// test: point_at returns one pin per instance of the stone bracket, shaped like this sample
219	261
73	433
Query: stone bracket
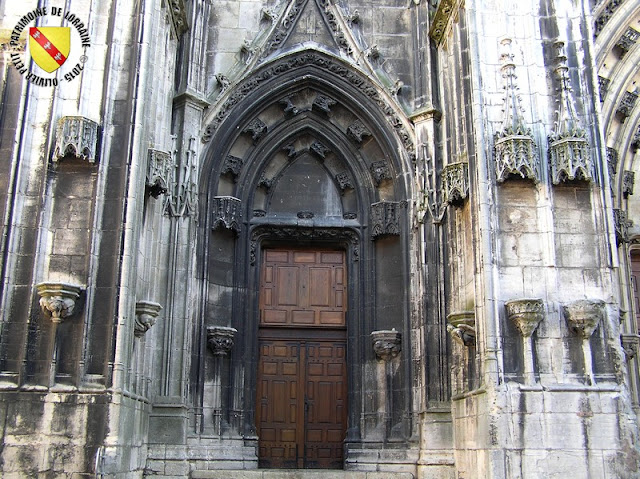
78	137
385	219
387	344
570	159
159	172
227	212
146	315
58	299
455	183
584	315
220	339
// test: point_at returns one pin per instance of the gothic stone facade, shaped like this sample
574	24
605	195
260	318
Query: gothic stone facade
428	205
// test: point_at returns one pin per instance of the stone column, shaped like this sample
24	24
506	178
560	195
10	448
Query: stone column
583	317
526	314
220	341
387	345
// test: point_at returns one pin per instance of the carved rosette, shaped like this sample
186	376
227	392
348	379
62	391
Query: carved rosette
584	316
630	344
76	136
159	169
462	327
227	212
58	300
146	315
526	314
455	183
220	339
387	344
384	219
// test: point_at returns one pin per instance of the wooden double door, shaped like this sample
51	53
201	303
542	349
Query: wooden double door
302	389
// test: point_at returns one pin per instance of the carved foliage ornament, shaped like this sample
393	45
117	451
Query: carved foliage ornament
526	314
385	219
227	213
256	128
316	59
76	136
584	316
605	15
455	183
387	344
58	300
160	166
146	315
220	339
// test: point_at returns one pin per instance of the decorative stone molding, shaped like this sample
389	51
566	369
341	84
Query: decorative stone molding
178	16
584	316
455	183
621	225
626	105
630	344
385	219
232	166
357	132
76	136
515	151
526	314
628	182
387	344
58	299
323	103
227	212
462	327
220	339
605	15
257	129
380	171
569	150
603	84
627	40
319	150
146	316
159	172
344	181
446	14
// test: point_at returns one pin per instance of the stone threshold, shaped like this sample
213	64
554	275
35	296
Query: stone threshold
297	474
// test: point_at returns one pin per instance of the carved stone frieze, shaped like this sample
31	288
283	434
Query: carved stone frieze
387	344
220	339
328	65
628	182
626	105
323	103
526	314
256	128
385	219
605	15
443	19
146	316
603	84
455	183
515	151
344	181
319	150
232	166
159	172
58	299
569	149
621	224
462	327
584	315
357	131
76	136
380	171
630	344
227	213
627	40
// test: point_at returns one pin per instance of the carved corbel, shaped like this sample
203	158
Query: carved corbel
58	300
526	314
387	344
584	316
455	183
319	150
220	339
76	136
146	315
257	129
323	103
384	219
227	212
380	171
462	327
621	224
630	344
159	169
232	166
628	182
358	132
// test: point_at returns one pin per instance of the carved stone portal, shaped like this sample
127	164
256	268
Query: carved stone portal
462	327
146	315
58	300
584	316
220	339
76	136
387	344
227	212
